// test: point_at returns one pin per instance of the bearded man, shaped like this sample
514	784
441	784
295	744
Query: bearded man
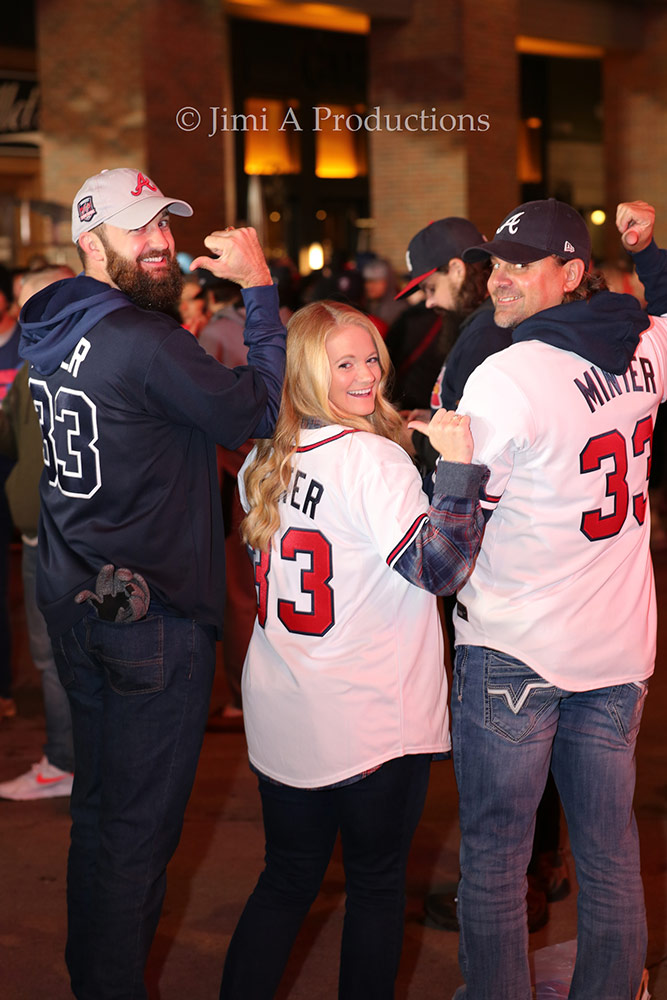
131	542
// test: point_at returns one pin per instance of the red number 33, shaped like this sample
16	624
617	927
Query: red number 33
314	583
594	524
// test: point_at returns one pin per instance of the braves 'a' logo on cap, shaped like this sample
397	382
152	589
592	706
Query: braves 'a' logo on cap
512	224
86	209
143	182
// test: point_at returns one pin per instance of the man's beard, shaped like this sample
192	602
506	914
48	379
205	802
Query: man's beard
161	293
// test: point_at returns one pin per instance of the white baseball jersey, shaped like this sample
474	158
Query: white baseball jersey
345	665
564	580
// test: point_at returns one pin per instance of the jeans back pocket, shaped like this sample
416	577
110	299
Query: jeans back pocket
131	653
516	698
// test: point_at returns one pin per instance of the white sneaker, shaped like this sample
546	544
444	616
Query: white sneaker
42	781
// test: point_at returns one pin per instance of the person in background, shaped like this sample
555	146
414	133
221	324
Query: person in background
21	440
380	290
9	365
192	306
222	337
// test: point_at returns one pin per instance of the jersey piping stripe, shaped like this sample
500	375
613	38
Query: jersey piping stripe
318	444
407	539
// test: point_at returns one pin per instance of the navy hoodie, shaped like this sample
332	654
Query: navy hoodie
604	329
130	407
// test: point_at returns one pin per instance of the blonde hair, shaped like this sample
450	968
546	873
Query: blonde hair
305	397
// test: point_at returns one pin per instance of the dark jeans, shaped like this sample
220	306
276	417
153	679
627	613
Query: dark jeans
377	818
139	694
58	749
509	726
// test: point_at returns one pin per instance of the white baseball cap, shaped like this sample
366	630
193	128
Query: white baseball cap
124	197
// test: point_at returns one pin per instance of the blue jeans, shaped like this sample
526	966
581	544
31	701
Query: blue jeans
139	694
377	818
508	726
58	749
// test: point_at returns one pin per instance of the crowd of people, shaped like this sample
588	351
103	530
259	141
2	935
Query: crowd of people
504	469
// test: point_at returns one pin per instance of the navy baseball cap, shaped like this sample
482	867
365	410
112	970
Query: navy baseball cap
535	230
434	246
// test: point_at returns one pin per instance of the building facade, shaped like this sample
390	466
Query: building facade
352	124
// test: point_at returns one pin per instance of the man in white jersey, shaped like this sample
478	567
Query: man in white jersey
556	626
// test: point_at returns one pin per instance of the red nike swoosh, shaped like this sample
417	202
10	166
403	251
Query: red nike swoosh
41	780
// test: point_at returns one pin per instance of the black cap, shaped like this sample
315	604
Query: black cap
535	230
434	246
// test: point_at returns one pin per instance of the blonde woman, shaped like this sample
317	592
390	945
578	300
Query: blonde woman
344	690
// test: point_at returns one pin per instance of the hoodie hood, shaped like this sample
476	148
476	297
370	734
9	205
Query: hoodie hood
54	320
604	329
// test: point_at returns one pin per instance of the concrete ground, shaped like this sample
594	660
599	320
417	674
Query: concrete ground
220	855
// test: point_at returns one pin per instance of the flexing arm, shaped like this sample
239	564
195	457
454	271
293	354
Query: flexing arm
239	258
635	221
443	552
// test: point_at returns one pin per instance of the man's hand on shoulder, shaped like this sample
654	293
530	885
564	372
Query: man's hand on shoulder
239	257
635	221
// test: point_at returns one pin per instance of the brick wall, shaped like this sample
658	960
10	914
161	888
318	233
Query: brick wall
635	102
584	22
186	61
419	176
445	57
113	77
492	87
462	58
93	112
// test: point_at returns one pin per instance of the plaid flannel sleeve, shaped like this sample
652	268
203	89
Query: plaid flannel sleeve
439	551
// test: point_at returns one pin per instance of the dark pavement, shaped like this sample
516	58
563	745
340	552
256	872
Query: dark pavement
220	855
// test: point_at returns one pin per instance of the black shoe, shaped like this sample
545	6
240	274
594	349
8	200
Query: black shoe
440	911
553	875
536	905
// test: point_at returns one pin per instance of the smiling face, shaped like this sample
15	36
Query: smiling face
521	290
355	371
142	263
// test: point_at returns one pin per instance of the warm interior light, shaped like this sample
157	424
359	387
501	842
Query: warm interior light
598	217
330	17
315	256
550	47
268	150
529	159
339	149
